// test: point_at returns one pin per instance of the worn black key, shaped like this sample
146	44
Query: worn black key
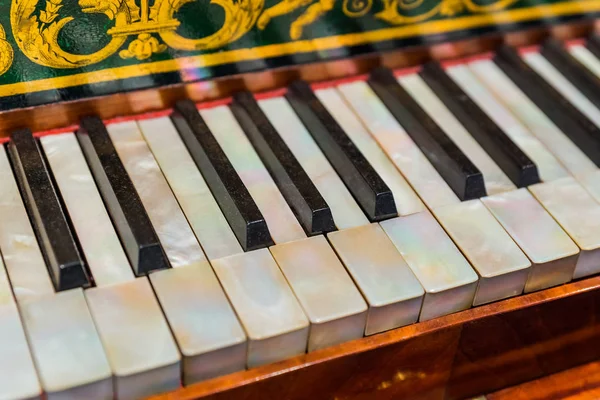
48	217
367	187
582	78
583	132
515	164
233	197
593	45
299	191
450	162
122	200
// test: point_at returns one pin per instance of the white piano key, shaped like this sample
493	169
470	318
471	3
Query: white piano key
495	180
545	69
393	293
407	202
574	160
136	338
282	223
449	281
176	237
208	333
552	252
398	146
188	185
24	261
502	267
548	166
346	213
585	57
591	183
94	229
18	377
270	313
578	214
333	305
66	348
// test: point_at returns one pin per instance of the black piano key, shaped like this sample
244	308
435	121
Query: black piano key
593	45
49	219
581	77
293	182
367	187
233	197
509	157
122	200
583	132
450	162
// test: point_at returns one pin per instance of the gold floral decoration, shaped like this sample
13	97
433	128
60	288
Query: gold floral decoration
143	47
450	8
6	52
51	12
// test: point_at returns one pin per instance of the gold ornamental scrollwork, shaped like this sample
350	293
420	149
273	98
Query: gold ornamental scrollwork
154	26
6	52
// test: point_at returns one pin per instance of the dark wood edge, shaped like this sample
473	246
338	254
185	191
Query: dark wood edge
504	322
59	115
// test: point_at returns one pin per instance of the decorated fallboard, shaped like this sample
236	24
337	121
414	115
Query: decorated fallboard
58	50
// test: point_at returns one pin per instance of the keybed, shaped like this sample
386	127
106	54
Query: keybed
141	254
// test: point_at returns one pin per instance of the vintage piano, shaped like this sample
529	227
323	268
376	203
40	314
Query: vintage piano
297	199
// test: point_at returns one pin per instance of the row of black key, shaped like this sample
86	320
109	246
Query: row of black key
135	230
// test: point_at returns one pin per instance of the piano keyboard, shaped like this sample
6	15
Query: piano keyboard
143	254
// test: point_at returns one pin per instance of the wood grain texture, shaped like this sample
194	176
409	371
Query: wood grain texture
581	383
457	356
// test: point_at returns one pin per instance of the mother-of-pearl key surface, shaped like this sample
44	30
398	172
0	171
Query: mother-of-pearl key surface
332	303
578	214
392	292
64	343
270	313
507	258
207	331
18	377
585	57
108	261
549	168
552	253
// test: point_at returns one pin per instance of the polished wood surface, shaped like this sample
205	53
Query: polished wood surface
579	383
457	356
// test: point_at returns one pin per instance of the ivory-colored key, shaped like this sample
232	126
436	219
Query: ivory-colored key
309	265
495	180
205	327
68	354
346	213
93	226
393	293
270	313
253	174
190	189
175	235
18	377
552	253
448	279
137	340
571	156
208	333
502	266
407	202
578	214
586	57
333	305
398	146
22	256
548	166
544	68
